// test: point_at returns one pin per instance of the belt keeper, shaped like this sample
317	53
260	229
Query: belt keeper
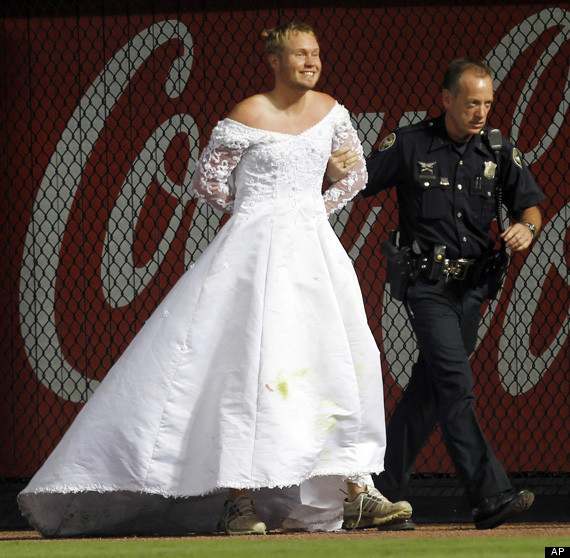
437	267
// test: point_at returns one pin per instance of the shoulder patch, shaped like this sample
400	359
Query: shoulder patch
517	157
387	142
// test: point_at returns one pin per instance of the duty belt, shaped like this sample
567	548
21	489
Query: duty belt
452	269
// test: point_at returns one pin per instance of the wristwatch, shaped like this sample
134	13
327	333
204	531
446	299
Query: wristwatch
530	226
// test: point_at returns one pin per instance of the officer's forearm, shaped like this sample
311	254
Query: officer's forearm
533	215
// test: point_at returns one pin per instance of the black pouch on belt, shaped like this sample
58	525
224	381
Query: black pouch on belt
436	266
497	265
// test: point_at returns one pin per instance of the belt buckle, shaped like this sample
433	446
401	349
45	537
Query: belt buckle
458	269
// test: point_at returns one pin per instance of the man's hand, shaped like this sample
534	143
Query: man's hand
340	163
517	237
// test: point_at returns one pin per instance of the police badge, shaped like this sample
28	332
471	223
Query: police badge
489	169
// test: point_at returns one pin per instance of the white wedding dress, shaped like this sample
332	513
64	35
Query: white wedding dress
258	369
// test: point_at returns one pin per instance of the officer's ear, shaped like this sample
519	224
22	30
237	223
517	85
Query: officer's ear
446	98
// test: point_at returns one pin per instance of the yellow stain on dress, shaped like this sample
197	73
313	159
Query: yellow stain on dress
282	383
283	388
325	456
327	421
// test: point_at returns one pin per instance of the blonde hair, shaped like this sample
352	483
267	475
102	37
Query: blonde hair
276	37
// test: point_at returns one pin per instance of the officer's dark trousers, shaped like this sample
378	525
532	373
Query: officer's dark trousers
445	319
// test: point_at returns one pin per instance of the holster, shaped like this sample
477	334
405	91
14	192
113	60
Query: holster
497	265
398	269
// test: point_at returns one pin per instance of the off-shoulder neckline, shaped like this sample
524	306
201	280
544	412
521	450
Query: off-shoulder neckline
325	117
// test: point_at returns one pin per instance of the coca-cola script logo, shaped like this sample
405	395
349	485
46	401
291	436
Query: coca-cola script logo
48	223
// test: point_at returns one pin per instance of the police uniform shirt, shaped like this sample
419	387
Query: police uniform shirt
446	191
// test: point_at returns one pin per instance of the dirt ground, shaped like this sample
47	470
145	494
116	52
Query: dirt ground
443	531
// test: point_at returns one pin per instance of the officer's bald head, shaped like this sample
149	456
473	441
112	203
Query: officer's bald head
456	69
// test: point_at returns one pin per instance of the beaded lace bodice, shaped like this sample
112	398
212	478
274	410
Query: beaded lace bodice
275	167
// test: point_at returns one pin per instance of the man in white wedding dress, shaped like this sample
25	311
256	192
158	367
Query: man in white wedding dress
292	107
257	379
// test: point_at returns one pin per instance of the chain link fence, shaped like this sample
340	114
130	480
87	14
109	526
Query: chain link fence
106	107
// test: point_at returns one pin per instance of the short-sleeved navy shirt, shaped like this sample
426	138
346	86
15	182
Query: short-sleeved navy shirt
446	191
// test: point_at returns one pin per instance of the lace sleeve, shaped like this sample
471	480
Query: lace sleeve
212	180
341	192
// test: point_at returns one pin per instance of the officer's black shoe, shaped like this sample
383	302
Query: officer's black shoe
495	510
398	525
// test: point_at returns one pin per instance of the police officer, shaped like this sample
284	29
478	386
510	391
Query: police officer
448	173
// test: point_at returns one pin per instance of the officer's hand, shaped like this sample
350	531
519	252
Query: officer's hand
517	237
340	163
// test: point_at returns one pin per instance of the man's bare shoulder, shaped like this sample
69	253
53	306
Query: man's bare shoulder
323	101
251	110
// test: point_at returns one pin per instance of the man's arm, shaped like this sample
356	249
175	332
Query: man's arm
340	162
342	190
518	236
